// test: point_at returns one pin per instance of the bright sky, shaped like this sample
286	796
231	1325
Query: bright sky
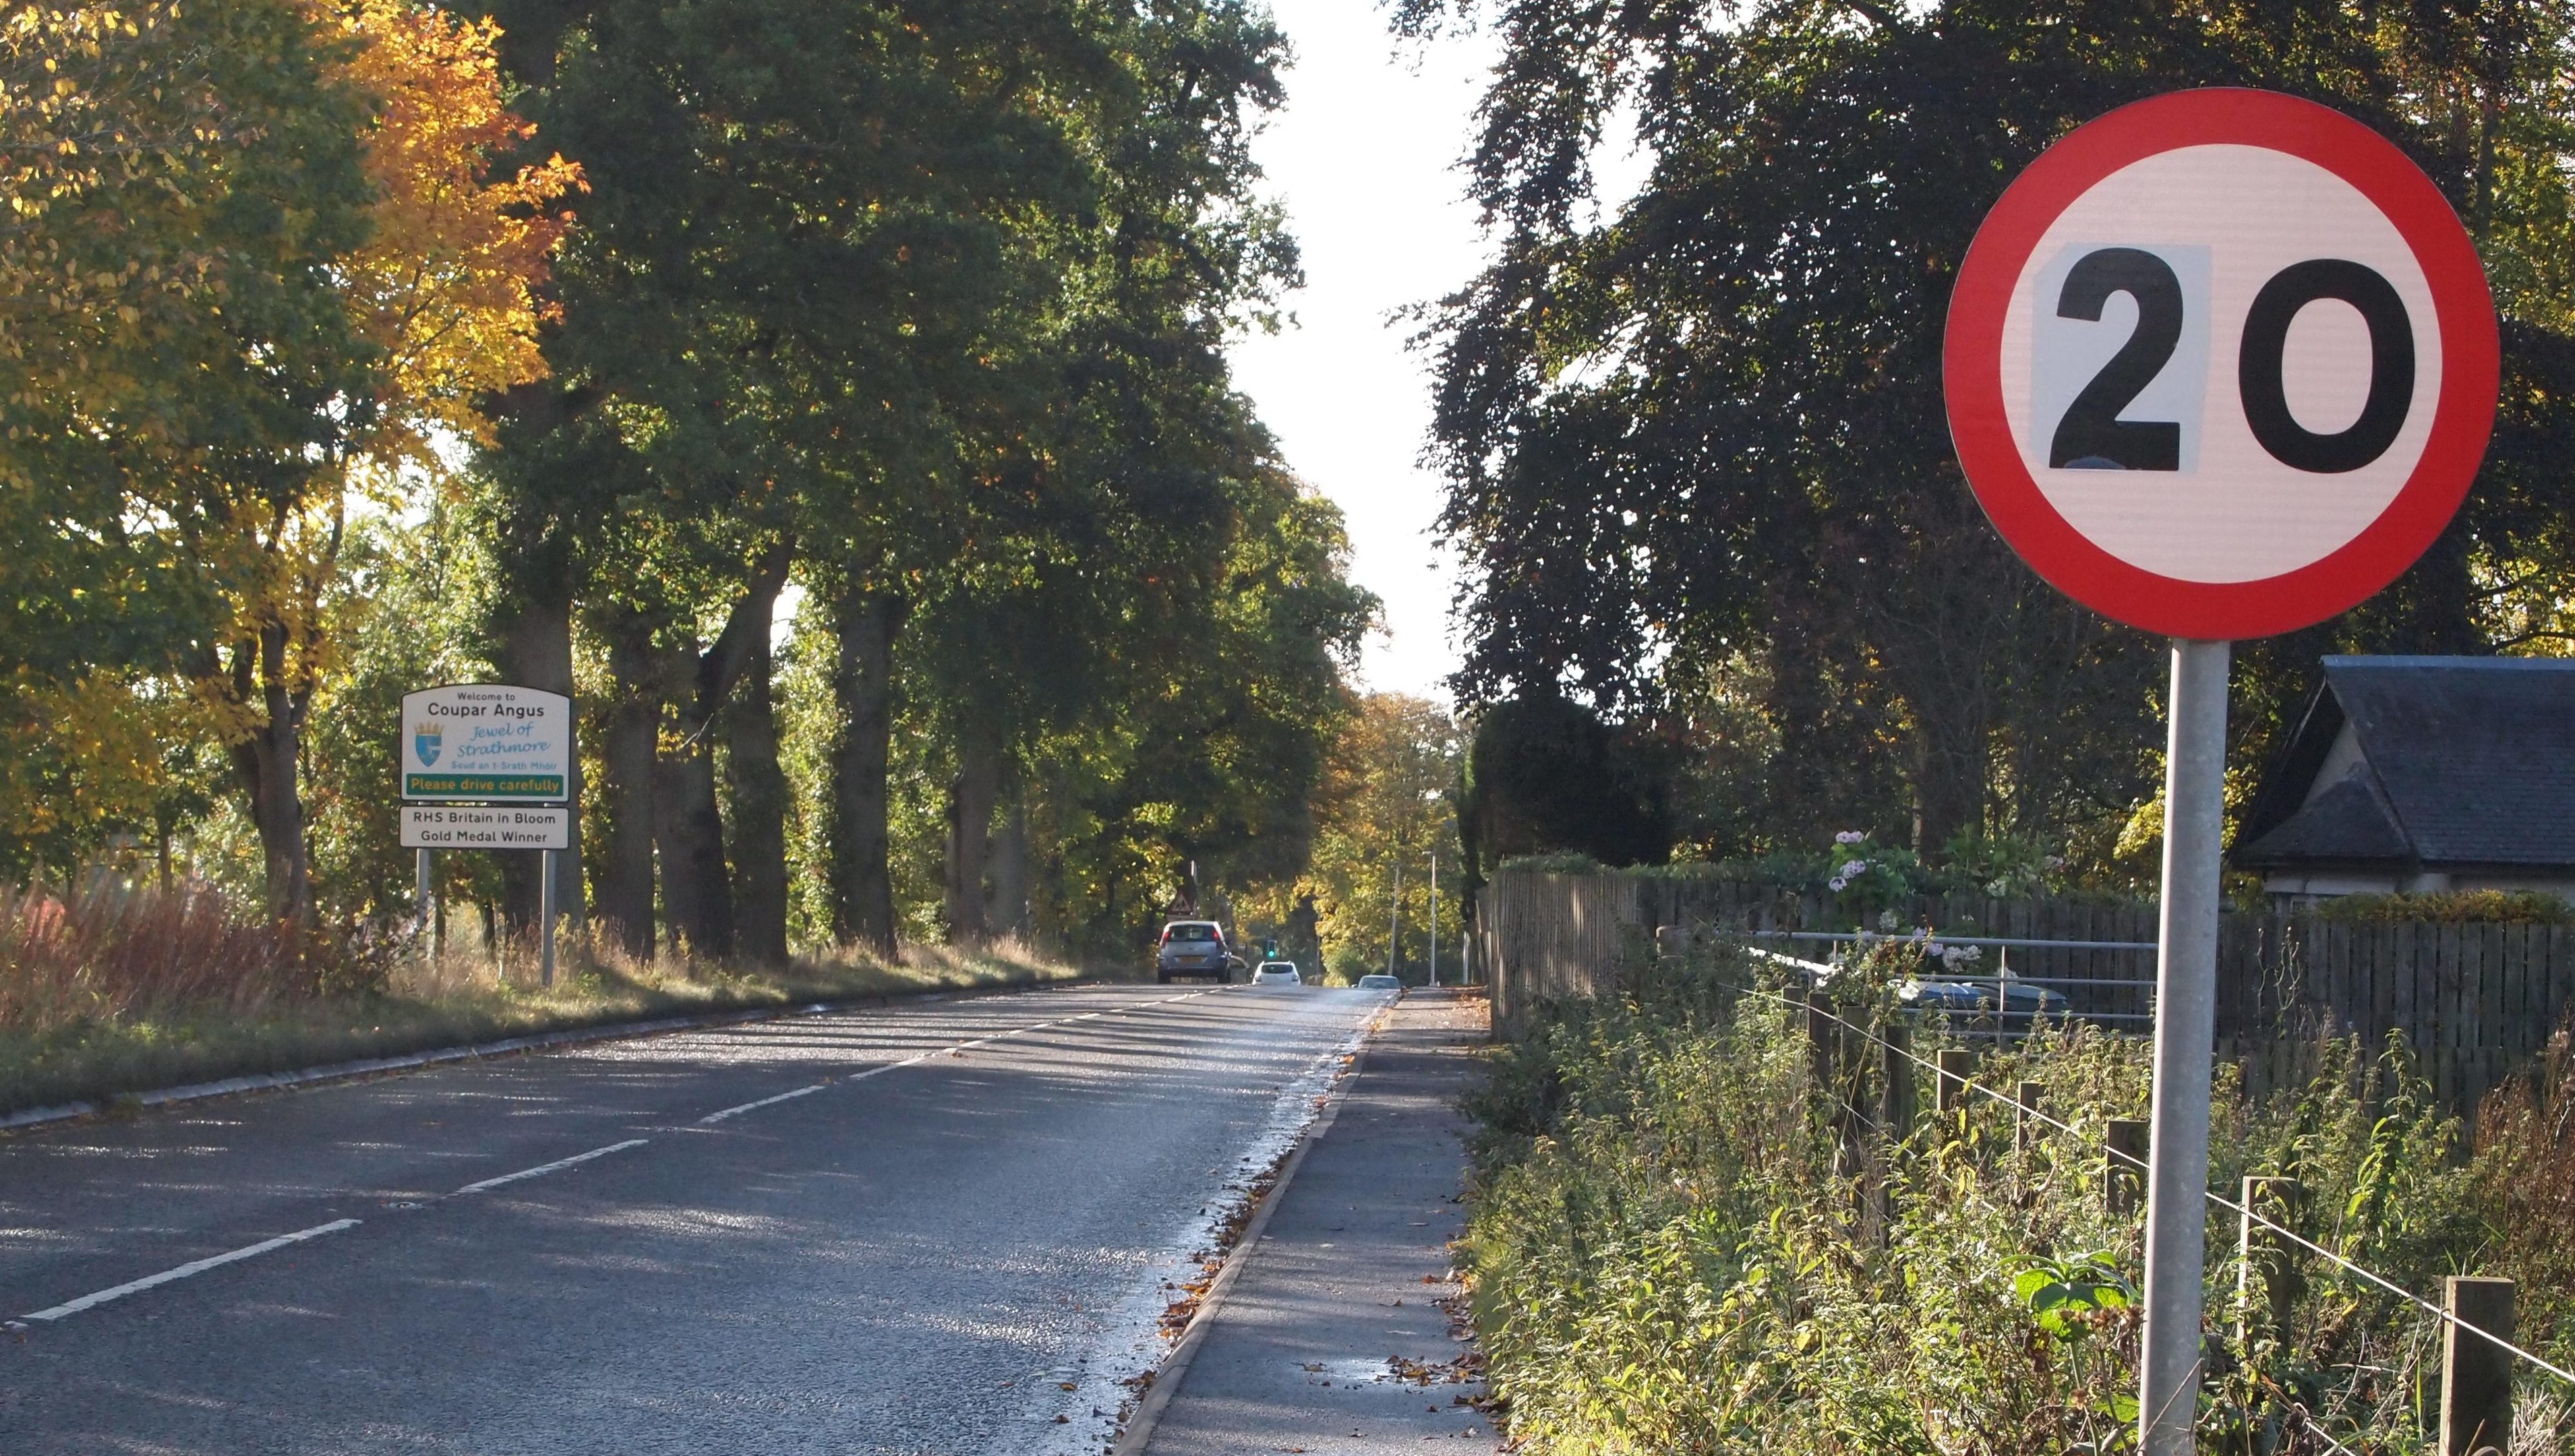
1364	160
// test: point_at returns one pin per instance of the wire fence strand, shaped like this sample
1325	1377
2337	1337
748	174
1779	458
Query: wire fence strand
2221	1200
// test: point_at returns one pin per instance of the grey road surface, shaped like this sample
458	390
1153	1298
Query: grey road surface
935	1228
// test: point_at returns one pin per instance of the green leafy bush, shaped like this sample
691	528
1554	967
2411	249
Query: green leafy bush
2488	906
1681	1242
1555	861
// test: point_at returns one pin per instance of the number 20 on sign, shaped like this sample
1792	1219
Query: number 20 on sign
2221	364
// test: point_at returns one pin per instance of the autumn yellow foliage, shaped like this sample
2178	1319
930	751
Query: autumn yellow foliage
449	286
185	405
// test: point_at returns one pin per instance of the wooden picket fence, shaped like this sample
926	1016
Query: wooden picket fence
2473	1000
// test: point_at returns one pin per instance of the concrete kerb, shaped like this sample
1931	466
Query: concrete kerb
509	1046
1175	1366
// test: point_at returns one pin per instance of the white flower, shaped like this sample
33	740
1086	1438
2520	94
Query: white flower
1837	885
1854	868
1850	836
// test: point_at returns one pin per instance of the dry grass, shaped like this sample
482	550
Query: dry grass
116	951
124	991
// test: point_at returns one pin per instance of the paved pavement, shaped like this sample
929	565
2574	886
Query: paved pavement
927	1228
1333	1338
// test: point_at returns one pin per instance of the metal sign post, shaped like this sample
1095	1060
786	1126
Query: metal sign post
2185	1032
420	897
546	918
2129	407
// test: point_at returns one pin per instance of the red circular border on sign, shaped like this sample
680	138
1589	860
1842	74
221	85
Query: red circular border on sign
2463	415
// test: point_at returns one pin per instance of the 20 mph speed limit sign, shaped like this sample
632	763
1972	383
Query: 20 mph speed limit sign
2221	364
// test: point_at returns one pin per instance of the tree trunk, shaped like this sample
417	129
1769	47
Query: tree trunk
267	762
696	889
867	624
1305	934
758	829
688	827
970	833
1008	909
1953	768
634	724
536	651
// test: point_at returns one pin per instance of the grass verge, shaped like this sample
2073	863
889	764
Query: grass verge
455	1003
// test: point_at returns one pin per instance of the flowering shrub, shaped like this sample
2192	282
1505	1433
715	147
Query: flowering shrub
1869	879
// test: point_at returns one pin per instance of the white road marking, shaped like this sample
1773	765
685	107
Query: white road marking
92	1302
556	1165
878	1071
918	1058
715	1118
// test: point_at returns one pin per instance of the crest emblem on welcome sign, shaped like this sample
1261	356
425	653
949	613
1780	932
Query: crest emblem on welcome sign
426	739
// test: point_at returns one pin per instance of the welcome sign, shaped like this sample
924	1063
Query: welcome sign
487	741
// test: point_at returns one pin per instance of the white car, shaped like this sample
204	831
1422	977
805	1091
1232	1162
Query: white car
1380	981
1277	973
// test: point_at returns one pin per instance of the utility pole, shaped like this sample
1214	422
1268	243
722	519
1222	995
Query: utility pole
1394	923
1434	917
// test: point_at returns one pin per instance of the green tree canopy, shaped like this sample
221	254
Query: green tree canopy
1697	449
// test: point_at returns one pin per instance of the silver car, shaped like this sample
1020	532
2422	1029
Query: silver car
1193	947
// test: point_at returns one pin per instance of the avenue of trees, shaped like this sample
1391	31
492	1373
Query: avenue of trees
1385	820
830	398
1696	440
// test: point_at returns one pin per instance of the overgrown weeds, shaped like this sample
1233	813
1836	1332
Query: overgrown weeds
114	950
1684	1241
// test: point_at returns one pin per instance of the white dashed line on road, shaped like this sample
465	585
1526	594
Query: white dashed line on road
558	1165
920	1057
252	1251
92	1302
713	1119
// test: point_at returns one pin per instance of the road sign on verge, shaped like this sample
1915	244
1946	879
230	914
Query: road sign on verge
487	827
2221	364
487	741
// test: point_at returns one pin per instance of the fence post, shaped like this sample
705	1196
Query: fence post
2267	1283
2028	1098
2476	1373
1898	1114
1819	1039
1957	1068
2124	1174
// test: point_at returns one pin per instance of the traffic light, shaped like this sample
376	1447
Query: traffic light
1269	949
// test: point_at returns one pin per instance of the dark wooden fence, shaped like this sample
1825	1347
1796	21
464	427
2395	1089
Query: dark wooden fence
2472	1000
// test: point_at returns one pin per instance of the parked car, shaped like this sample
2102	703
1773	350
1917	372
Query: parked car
1277	973
1194	948
1378	980
1981	997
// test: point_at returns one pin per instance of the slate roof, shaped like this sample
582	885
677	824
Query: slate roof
2470	761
